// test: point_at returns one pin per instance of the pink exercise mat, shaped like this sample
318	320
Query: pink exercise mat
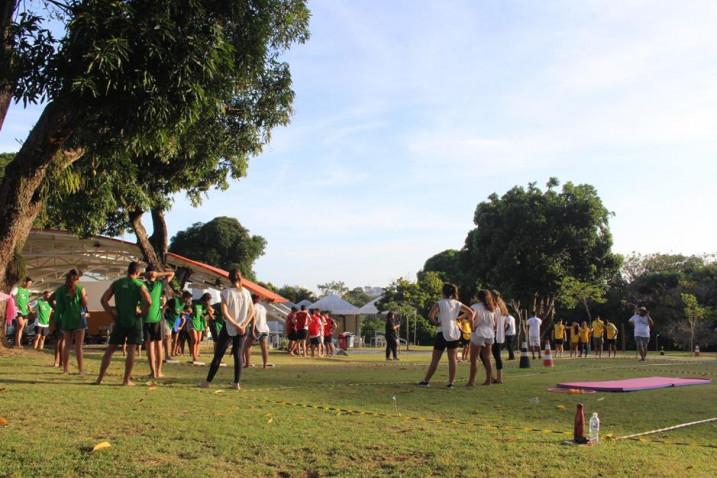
635	384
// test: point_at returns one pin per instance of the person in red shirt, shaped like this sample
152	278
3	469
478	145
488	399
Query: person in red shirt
315	333
302	330
290	331
329	326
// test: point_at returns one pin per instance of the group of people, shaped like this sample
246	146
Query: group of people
310	332
579	337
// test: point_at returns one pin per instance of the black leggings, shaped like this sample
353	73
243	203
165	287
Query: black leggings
222	343
496	355
391	347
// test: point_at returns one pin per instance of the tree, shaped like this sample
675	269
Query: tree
296	294
222	242
356	296
694	313
334	287
574	292
447	264
131	79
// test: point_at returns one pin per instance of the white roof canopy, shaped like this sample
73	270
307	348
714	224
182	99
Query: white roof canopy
336	305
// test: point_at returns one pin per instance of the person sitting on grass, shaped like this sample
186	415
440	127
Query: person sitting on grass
584	339
559	337
130	293
574	339
611	333
44	310
483	336
444	314
237	311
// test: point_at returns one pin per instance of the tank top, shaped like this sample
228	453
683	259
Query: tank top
448	312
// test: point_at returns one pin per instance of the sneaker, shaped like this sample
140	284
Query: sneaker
423	384
450	385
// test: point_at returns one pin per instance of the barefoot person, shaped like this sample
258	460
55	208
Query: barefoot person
261	330
501	325
483	336
43	310
129	292
611	334
69	300
559	337
22	303
198	324
642	322
237	311
445	314
534	324
152	320
598	330
329	326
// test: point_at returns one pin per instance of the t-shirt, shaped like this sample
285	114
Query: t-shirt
534	326
611	331
559	331
584	334
574	335
448	312
315	326
154	314
199	310
642	325
390	328
598	327
127	299
328	326
44	309
500	320
238	303
69	306
22	299
175	307
260	323
511	325
484	322
466	329
289	323
302	320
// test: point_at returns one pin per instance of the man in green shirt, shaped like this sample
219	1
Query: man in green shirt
22	301
129	292
43	310
153	321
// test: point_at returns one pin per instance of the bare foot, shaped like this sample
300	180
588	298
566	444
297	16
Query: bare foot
128	383
161	375
470	384
236	386
97	382
204	384
487	382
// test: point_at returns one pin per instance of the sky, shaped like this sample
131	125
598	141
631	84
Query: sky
409	113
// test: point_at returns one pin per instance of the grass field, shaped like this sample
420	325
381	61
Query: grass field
338	417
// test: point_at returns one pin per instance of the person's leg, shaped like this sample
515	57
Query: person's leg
452	365
79	336
246	350
485	352
106	359
36	340
396	347
59	349
434	365
222	344
66	351
237	345
158	359
129	365
264	344
474	352
193	342
511	347
498	363
150	351
18	333
388	349
167	341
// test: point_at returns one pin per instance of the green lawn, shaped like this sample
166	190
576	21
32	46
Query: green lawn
338	417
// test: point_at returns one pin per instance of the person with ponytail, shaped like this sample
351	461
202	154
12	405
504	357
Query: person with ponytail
501	324
69	299
483	336
445	315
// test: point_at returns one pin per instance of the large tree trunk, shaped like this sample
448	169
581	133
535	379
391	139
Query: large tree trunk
159	238
7	83
150	255
20	190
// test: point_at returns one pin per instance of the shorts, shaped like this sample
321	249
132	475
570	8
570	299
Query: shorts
328	339
464	342
533	341
610	342
166	330
42	331
481	341
559	341
83	322
598	340
132	333
22	316
293	336
642	340
213	329
442	344
262	336
302	334
315	341
152	331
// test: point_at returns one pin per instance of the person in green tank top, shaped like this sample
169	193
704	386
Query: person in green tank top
153	321
22	301
198	324
129	293
216	324
69	299
173	310
43	312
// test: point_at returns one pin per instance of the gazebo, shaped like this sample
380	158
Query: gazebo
345	313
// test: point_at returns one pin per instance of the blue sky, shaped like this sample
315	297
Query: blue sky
409	113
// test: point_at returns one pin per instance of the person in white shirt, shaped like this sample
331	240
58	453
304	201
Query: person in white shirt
510	331
259	333
483	336
501	326
237	311
534	324
448	311
642	323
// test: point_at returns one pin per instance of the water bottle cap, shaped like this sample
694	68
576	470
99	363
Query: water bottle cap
594	414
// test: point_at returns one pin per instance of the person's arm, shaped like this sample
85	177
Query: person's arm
51	300
227	316
105	301
83	298
652	322
249	317
432	314
147	300
467	313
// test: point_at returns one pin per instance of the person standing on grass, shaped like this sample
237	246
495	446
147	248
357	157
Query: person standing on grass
598	328
584	339
642	322
510	331
465	344
173	309
444	314
559	337
237	312
483	336
152	320
574	339
501	317
22	306
198	324
129	293
69	299
302	330
611	334
534	324
183	329
329	326
290	331
44	310
261	330
391	334
314	332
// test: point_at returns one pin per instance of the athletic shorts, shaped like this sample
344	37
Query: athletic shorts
441	344
152	331
610	341
533	341
328	339
42	331
166	329
642	340
302	334
464	342
315	341
133	334
293	336
598	340
213	329
262	336
559	342
481	341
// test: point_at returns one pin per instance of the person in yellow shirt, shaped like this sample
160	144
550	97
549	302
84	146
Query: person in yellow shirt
611	333
559	337
584	339
465	340
598	327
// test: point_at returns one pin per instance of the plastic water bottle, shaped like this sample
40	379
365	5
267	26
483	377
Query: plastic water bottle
595	428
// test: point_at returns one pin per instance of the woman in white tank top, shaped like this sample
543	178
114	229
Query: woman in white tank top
483	336
445	315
